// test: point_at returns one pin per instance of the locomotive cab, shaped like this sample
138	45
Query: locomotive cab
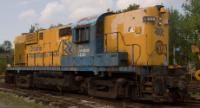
88	46
142	33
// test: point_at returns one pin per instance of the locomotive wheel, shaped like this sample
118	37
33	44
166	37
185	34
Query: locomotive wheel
178	95
107	88
10	78
24	81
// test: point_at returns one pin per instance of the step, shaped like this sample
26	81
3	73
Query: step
148	84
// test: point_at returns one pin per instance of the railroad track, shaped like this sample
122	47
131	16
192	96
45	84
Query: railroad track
54	99
70	100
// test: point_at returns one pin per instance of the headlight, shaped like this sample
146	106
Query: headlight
159	46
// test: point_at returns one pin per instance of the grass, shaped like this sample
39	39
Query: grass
18	102
196	96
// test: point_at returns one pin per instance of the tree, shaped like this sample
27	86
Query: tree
52	26
192	25
1	49
6	54
7	46
192	11
32	29
185	31
132	7
177	38
59	25
129	8
108	10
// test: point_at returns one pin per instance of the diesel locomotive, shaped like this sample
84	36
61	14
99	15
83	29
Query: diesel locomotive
112	55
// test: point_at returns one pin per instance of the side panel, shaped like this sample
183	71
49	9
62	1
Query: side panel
85	48
125	33
19	52
99	60
20	57
49	49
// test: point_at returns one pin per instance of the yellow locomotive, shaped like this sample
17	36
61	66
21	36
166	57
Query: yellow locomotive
142	33
112	55
41	48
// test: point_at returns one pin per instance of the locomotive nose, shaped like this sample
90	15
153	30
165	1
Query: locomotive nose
160	47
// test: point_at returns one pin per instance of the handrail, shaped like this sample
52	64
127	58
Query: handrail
125	44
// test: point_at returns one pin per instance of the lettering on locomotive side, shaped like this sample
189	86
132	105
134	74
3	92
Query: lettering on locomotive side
83	52
35	48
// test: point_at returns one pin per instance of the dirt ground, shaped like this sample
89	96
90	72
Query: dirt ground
12	101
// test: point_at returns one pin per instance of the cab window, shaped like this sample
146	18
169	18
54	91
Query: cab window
64	32
81	34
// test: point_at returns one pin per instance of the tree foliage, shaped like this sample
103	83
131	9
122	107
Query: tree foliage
32	29
129	8
6	54
6	47
192	11
185	31
132	7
